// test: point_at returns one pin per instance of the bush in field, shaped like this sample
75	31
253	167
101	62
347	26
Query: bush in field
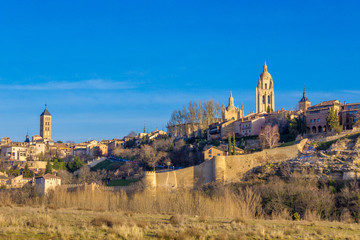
177	220
296	217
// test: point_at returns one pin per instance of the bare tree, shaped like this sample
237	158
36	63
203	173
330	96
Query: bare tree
132	134
199	113
192	115
150	156
269	136
210	113
126	153
217	111
87	176
66	177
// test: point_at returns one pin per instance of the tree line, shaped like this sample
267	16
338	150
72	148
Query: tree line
196	115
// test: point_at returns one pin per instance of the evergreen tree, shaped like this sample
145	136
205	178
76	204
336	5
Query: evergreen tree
332	119
75	165
48	168
40	173
229	145
268	110
234	145
27	173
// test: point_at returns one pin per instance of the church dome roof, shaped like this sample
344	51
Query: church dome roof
265	74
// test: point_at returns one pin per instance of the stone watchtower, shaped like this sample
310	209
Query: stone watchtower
45	124
265	96
304	103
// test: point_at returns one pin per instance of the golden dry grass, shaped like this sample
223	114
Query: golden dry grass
161	215
246	204
42	223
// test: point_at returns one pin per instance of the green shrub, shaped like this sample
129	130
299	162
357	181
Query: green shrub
296	217
338	129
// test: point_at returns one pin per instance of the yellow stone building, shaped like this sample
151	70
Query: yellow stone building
231	112
45	124
265	96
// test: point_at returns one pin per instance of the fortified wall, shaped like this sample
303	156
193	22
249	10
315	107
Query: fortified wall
223	169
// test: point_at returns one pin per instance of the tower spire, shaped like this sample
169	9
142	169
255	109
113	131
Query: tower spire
265	67
231	99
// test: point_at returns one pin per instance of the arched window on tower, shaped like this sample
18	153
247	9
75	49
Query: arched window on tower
265	85
263	100
268	99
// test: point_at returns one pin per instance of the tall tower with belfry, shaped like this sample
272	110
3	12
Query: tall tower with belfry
265	96
45	124
304	102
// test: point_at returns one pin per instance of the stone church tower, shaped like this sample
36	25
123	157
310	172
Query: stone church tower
265	96
231	112
304	103
45	124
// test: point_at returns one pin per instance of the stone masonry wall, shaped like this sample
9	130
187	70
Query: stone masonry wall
224	169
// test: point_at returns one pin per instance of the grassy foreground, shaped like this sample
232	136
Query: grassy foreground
44	223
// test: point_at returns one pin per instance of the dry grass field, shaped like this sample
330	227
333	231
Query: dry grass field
45	223
225	214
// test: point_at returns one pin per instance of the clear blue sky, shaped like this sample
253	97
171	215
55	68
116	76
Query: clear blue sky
105	67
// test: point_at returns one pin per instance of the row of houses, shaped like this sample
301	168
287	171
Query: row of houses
37	149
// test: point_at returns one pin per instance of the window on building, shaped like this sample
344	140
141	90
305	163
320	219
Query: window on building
218	154
209	151
263	100
318	119
209	156
268	99
265	86
311	120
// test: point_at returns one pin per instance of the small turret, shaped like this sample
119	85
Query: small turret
304	102
27	139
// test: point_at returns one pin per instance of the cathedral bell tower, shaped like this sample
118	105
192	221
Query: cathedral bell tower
265	96
45	124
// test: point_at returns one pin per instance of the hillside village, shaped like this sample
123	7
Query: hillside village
198	133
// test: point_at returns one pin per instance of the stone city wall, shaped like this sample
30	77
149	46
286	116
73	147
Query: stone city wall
224	169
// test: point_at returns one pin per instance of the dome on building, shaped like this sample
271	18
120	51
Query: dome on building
231	102
265	74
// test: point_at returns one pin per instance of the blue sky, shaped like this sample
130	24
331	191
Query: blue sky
106	67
